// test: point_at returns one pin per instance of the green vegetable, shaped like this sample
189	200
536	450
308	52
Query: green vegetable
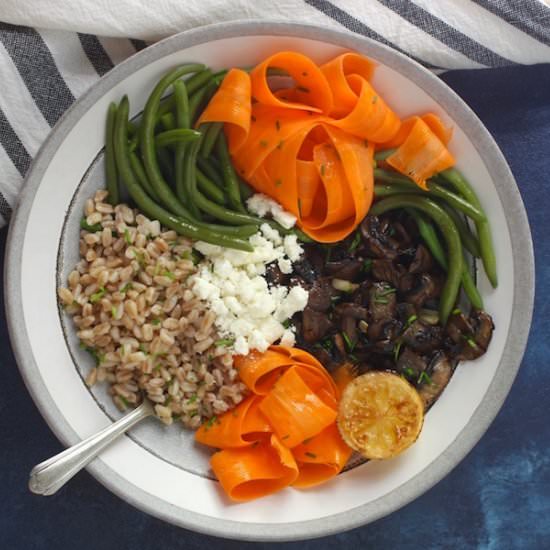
434	189
176	136
94	298
140	174
224	342
91	228
449	232
424	377
111	175
212	132
469	240
350	345
152	209
488	258
384	154
209	188
231	183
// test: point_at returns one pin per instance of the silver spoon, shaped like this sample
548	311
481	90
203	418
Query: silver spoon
49	476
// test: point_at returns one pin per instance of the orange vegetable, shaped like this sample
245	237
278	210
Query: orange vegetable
421	155
293	405
294	411
444	133
244	426
320	458
231	104
255	471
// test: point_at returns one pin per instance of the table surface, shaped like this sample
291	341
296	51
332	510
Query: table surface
498	497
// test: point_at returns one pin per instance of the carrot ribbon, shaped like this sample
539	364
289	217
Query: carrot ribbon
284	433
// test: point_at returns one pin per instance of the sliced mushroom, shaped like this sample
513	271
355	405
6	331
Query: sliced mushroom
439	373
320	295
425	290
411	364
422	337
422	261
348	269
315	325
376	242
458	327
388	271
475	344
304	269
382	302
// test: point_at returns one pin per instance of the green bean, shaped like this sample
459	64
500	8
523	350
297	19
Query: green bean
133	128
212	133
199	99
168	121
141	176
224	214
111	175
178	135
434	189
190	178
198	80
468	239
462	186
384	154
449	232
210	168
209	188
388	189
152	209
167	168
181	102
231	182
147	144
245	189
428	234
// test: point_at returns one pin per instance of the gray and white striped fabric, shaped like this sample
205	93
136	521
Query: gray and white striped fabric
44	68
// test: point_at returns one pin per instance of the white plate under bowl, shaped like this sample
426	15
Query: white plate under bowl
160	470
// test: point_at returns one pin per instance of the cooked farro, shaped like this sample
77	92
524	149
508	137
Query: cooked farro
149	334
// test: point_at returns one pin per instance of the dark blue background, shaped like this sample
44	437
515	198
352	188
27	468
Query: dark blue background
497	498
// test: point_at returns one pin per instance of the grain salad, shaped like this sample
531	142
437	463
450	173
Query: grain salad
148	332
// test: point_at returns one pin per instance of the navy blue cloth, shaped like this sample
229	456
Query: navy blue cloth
497	498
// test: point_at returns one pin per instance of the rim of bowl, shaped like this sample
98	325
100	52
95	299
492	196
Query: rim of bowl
523	262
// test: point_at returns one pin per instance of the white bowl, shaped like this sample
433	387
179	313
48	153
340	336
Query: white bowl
160	470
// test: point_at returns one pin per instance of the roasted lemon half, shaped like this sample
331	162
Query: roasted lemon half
380	415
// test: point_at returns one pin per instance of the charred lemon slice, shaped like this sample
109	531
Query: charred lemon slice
380	415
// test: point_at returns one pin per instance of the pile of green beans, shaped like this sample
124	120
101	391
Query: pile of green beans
440	211
175	172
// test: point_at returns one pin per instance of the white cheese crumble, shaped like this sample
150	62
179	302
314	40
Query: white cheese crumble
246	308
261	205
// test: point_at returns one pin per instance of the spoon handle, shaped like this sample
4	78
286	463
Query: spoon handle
49	476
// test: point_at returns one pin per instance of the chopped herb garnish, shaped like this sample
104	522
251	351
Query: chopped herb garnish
91	228
170	275
94	298
211	421
278	182
327	344
142	349
396	350
253	118
408	372
304	73
277	125
378	300
456	311
355	243
168	400
311	455
424	377
94	353
127	237
113	312
322	169
471	342
224	342
193	413
140	257
349	343
255	444
285	437
386	292
210	357
264	143
411	320
124	401
375	99
367	265
307	440
155	322
302	89
287	323
353	357
192	399
126	287
157	367
280	145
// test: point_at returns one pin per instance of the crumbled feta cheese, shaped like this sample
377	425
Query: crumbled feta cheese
246	307
261	205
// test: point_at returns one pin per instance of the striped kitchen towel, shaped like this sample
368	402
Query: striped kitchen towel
51	51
